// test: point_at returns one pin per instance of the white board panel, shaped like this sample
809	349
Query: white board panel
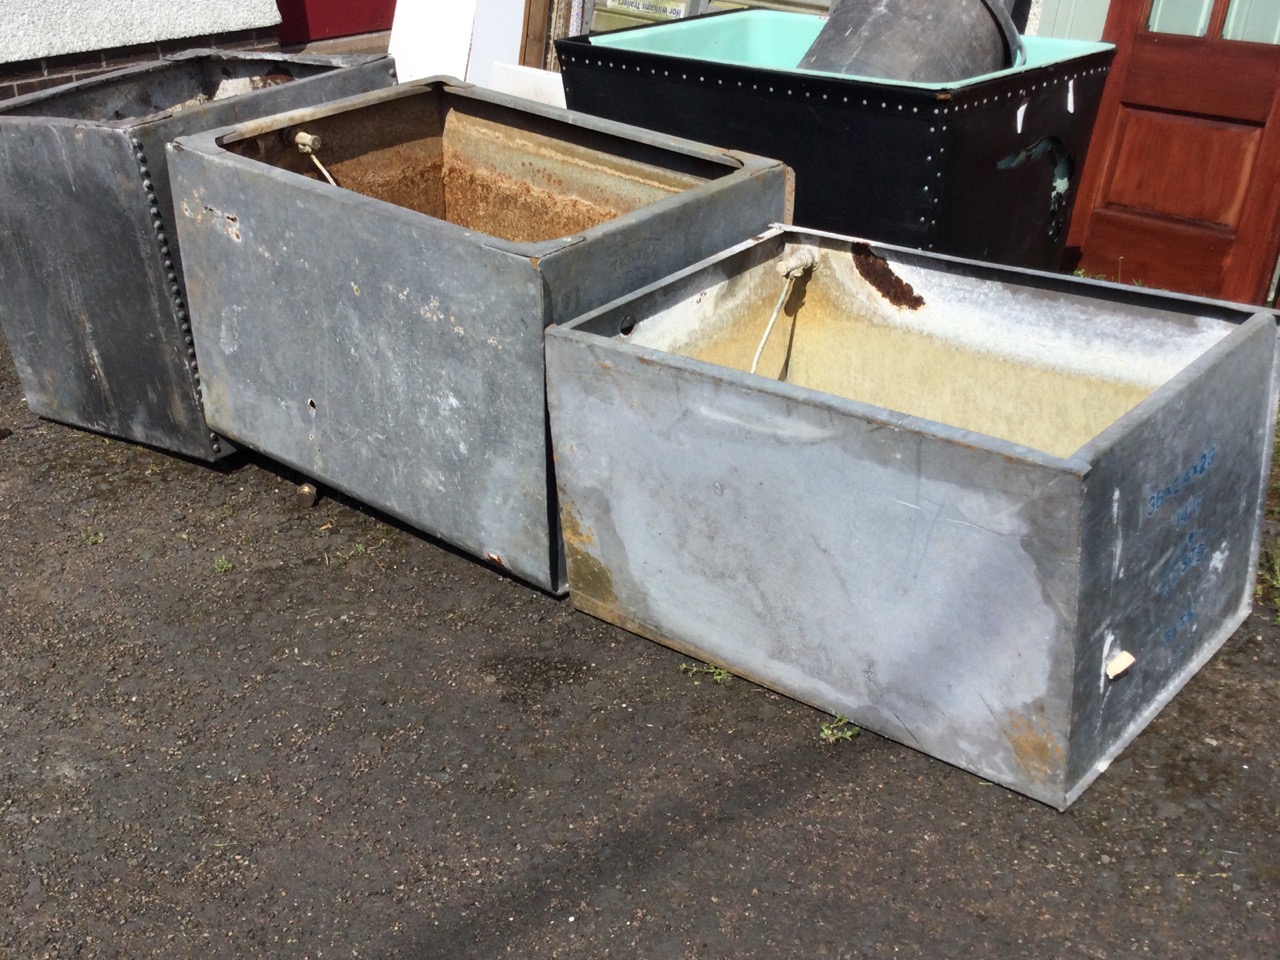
430	38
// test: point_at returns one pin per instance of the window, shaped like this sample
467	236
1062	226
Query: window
1187	17
1254	20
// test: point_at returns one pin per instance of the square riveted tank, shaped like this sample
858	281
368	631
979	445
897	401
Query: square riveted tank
94	307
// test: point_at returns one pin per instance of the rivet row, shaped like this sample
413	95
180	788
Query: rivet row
175	289
884	105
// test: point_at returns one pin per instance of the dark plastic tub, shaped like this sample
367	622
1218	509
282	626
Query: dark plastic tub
984	168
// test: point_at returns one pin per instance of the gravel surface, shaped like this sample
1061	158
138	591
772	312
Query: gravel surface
233	727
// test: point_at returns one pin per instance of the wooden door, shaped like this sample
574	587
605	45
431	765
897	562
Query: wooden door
1182	186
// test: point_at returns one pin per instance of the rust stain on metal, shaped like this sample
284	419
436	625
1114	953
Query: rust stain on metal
877	272
1037	753
503	205
589	579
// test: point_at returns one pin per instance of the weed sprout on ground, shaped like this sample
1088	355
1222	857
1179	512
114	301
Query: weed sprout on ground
839	730
717	674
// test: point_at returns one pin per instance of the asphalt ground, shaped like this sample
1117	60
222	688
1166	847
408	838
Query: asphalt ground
231	726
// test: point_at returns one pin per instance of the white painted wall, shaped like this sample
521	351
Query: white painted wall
30	29
1073	19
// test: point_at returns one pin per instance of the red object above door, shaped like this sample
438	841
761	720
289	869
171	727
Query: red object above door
302	21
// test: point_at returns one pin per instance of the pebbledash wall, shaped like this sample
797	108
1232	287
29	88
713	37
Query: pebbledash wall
44	43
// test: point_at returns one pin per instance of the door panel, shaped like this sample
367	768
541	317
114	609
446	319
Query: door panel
1181	189
1205	181
1166	253
1203	76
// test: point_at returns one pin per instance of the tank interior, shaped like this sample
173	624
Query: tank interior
1045	370
488	168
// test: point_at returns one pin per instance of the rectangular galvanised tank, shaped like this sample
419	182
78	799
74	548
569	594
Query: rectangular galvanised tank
91	275
383	334
983	167
996	515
